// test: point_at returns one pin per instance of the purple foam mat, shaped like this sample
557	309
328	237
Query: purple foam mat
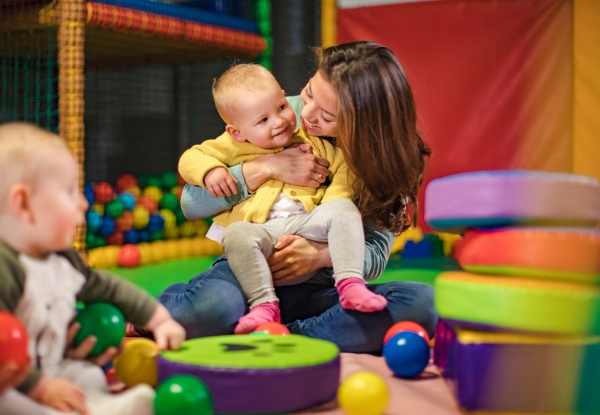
250	391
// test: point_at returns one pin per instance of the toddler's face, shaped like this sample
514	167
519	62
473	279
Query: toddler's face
57	205
265	118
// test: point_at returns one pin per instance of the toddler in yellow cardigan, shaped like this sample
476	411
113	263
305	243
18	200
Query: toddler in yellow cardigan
260	121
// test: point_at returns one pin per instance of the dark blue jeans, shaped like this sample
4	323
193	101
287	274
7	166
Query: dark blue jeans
213	301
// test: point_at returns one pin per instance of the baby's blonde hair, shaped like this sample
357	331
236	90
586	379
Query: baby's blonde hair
24	151
240	77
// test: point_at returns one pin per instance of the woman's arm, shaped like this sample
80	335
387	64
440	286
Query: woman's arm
296	257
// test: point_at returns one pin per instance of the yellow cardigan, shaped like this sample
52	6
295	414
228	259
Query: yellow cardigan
224	151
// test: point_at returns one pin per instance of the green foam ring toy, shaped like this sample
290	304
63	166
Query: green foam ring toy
105	322
183	394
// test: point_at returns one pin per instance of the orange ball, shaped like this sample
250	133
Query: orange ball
125	221
149	203
273	328
406	326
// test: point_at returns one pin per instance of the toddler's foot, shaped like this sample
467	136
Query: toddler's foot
262	313
354	295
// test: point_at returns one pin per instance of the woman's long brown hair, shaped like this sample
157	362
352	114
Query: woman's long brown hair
377	130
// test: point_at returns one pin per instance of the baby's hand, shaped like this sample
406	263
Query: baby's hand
168	333
220	182
61	395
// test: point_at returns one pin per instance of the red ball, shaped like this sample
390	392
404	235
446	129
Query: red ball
406	326
103	193
116	238
275	329
125	181
129	256
13	340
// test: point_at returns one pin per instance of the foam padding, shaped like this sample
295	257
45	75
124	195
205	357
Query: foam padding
571	254
507	197
507	302
258	374
522	373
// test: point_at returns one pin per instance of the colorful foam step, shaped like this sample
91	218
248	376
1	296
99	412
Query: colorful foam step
523	373
507	302
571	254
487	199
250	374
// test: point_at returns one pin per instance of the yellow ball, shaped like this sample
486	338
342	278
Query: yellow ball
140	217
97	207
137	364
145	253
159	253
134	190
186	247
188	229
201	227
363	393
154	192
169	217
171	232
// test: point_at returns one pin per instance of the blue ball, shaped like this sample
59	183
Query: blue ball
88	193
107	227
155	223
93	220
128	200
143	236
131	237
406	354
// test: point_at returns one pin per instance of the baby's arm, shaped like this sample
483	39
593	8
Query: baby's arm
220	183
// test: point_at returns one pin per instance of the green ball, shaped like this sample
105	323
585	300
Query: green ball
183	394
154	181
94	241
143	180
179	216
103	320
169	201
156	236
114	209
169	180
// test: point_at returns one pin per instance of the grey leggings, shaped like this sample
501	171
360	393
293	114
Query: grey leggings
248	245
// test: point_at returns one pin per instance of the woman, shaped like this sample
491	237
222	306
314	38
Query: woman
360	97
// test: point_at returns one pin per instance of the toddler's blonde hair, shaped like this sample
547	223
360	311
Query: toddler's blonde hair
24	152
240	77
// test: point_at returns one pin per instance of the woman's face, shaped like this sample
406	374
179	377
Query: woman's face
319	115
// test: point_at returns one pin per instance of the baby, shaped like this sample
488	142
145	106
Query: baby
260	121
42	277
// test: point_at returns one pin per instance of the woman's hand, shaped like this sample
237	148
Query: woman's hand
82	351
295	165
296	257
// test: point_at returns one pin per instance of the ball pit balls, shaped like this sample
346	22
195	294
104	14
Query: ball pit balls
149	203
169	217
13	340
140	217
154	182
129	256
405	326
154	192
88	193
363	393
273	328
124	222
94	241
134	190
137	363
93	220
143	236
103	193
169	180
183	394
169	201
128	200
116	238
406	354
131	236
108	226
114	208
125	181
103	320
155	223
97	207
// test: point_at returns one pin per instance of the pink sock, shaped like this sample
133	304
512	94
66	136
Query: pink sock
354	295
262	313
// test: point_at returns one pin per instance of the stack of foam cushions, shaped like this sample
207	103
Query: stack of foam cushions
520	326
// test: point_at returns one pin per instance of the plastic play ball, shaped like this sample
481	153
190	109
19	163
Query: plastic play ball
131	237
93	220
114	208
406	354
169	180
154	192
88	193
129	256
97	207
116	238
13	340
169	201
155	223
149	203
103	320
140	217
169	217
363	393
406	326
273	328
124	222
143	236
179	216
103	193
134	190
183	394
128	200
125	181
154	182
94	241
137	364
108	226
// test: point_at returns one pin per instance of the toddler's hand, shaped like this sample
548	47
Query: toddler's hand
220	183
61	395
168	333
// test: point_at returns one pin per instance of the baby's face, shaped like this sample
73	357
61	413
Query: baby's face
265	118
57	205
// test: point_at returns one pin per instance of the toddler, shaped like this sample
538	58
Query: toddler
42	277
260	121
